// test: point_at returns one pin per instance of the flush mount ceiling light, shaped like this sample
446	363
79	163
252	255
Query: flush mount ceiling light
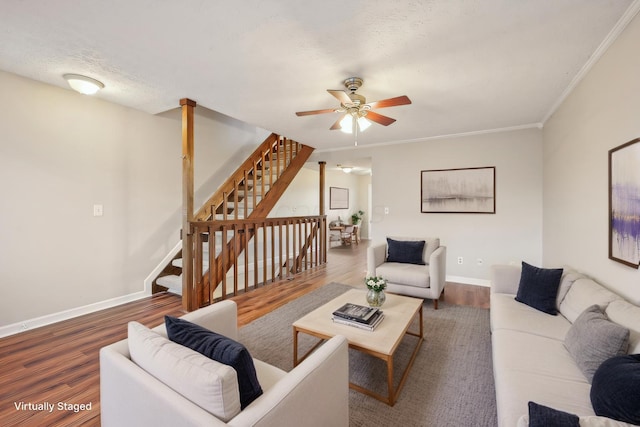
346	169
83	84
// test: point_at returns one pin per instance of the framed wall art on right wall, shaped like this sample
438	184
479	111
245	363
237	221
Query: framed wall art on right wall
624	203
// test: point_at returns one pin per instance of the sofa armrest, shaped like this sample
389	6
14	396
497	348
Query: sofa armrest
438	269
221	317
505	279
376	255
129	396
314	393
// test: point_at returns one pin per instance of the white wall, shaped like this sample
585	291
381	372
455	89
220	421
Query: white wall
61	153
511	235
601	113
301	197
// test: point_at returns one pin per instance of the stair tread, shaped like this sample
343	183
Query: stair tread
172	282
178	263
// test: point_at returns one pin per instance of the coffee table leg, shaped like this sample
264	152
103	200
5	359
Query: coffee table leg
392	394
295	347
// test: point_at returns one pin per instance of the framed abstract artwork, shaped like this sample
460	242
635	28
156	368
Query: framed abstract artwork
338	198
469	190
624	203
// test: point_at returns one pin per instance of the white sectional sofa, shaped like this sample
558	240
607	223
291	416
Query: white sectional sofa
530	360
314	393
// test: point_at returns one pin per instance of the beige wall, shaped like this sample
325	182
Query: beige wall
600	114
301	198
511	235
61	153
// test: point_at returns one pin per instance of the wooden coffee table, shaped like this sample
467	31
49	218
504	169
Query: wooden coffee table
382	343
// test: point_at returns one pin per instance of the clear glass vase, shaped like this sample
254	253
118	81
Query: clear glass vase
376	299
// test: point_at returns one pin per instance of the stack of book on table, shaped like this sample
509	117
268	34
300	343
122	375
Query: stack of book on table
358	316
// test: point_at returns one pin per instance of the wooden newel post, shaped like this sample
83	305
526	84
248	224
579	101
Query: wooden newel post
323	228
189	294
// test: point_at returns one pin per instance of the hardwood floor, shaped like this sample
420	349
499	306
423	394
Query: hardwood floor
59	363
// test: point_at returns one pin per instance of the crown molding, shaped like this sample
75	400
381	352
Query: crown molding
435	137
613	35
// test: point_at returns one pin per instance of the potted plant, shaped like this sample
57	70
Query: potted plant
356	218
375	294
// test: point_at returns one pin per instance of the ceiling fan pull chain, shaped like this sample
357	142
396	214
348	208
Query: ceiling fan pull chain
355	126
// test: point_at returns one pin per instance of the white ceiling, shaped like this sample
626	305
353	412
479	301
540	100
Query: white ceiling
467	65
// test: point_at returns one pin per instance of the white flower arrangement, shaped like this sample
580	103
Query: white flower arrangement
375	283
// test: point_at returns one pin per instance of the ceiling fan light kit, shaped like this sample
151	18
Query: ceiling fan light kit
346	124
355	108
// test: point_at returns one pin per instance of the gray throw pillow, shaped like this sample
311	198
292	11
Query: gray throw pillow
593	338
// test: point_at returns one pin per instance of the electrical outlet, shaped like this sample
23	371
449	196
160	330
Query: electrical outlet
386	210
98	210
460	260
480	261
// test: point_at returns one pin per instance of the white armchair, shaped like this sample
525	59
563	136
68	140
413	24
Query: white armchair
416	280
131	396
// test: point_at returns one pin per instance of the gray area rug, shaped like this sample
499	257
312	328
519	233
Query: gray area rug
450	383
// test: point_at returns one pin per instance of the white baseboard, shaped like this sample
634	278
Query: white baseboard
48	319
37	322
469	281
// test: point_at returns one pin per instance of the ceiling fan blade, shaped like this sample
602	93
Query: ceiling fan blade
379	118
341	96
309	113
391	102
336	125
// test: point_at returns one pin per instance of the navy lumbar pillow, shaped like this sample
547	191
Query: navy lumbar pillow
221	349
408	252
538	288
543	416
615	389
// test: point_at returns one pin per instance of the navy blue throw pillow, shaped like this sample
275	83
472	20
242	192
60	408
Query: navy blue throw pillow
408	252
221	349
615	389
543	416
539	288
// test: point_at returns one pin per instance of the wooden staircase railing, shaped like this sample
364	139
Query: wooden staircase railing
249	185
270	249
231	231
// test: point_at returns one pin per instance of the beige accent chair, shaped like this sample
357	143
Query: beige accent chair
314	393
421	281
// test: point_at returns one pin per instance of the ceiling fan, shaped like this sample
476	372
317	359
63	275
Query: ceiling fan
357	112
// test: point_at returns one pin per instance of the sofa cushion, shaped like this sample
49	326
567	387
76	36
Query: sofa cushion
544	416
615	392
507	313
406	274
568	279
593	339
409	252
628	315
583	293
529	367
539	287
209	384
221	349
